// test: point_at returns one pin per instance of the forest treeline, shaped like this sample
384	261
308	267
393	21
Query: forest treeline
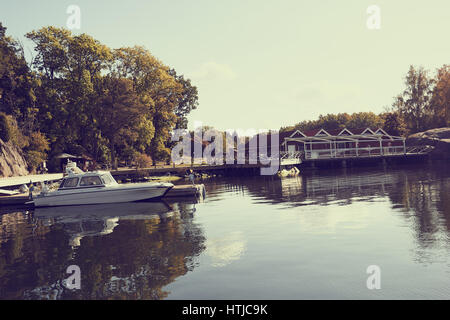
79	96
424	104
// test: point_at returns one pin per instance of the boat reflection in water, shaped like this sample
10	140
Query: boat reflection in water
124	251
101	219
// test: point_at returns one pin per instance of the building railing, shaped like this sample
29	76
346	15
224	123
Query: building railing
354	152
419	149
291	155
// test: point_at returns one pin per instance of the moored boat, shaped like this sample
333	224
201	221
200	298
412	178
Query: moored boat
97	187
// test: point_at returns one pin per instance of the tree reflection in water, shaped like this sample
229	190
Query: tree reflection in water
421	194
126	251
134	251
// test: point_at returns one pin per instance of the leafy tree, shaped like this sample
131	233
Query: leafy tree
73	83
159	90
16	136
17	97
440	102
394	123
5	129
119	111
342	120
365	120
36	151
70	69
188	100
414	103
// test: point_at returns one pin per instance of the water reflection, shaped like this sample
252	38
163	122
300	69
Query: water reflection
124	251
311	236
226	249
419	194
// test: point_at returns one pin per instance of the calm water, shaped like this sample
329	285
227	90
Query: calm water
310	237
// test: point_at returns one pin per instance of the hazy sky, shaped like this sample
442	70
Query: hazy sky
265	64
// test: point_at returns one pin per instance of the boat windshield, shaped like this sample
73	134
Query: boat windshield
107	179
91	181
69	183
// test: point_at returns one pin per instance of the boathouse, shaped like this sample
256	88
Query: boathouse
341	143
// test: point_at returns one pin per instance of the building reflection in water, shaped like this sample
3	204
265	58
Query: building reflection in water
124	251
420	194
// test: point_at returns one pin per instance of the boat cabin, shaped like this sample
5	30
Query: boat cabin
87	180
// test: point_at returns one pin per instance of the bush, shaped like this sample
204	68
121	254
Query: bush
142	161
5	128
35	153
38	142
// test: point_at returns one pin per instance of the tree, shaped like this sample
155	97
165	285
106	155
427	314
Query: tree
36	151
5	129
160	91
17	97
440	101
356	120
119	111
364	120
414	103
74	81
70	69
187	102
394	123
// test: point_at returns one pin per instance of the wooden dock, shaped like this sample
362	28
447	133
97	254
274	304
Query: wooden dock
15	200
17	181
180	191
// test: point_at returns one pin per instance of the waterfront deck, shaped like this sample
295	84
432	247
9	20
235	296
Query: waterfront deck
18	181
352	154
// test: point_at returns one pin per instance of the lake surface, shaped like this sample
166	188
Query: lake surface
308	237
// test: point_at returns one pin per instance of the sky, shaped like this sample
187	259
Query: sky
264	64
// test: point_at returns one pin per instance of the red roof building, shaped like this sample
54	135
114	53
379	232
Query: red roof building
340	143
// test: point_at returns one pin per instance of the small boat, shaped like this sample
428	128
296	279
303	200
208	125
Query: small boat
97	187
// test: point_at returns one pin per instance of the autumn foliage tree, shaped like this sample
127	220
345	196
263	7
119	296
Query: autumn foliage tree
36	150
414	103
424	104
119	110
440	101
87	98
341	120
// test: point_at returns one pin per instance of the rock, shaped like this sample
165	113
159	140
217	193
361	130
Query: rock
429	137
439	138
289	173
12	162
442	149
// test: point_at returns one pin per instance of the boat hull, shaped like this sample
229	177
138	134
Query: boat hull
102	195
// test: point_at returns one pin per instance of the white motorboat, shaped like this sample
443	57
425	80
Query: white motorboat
80	188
